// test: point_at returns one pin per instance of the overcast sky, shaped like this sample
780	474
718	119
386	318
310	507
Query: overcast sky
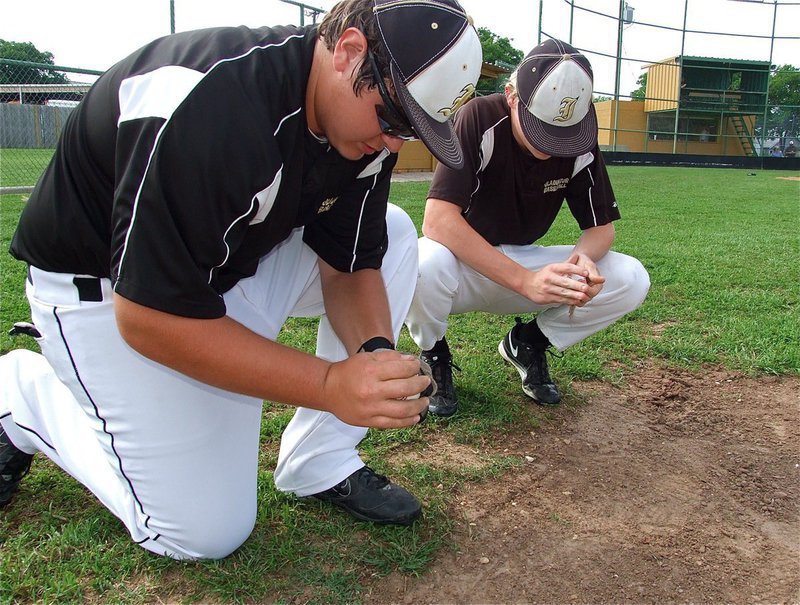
94	34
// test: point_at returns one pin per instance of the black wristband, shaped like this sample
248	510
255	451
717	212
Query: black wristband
375	343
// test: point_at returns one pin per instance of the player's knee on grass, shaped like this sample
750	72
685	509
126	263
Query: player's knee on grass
213	536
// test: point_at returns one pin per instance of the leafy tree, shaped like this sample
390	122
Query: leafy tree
784	86
784	100
18	74
497	51
641	92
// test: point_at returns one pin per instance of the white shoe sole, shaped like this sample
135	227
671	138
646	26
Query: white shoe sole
523	373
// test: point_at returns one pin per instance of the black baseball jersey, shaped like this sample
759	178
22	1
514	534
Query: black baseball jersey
506	194
189	161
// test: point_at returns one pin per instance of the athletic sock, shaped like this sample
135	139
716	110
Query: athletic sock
531	333
440	348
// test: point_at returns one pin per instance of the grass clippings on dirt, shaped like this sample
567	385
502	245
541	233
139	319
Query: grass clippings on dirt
681	486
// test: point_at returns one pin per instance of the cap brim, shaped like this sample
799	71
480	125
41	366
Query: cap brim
560	141
439	137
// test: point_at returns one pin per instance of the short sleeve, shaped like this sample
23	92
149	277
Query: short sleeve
589	193
184	198
349	232
458	186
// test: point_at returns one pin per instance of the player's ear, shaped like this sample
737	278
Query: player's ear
350	51
511	96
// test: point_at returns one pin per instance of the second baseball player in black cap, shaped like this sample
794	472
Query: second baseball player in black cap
525	152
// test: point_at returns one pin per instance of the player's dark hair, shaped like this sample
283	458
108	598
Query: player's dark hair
358	14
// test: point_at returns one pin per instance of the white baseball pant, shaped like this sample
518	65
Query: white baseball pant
173	458
446	286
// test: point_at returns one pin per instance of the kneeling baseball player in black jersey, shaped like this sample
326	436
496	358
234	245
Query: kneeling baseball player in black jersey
208	187
525	151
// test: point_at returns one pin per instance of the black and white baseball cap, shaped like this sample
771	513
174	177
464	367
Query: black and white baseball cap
435	61
554	86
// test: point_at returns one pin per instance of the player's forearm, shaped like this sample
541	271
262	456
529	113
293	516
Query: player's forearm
356	305
444	224
595	242
223	353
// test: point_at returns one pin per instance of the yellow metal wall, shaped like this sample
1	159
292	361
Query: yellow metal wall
632	135
663	86
414	157
631	124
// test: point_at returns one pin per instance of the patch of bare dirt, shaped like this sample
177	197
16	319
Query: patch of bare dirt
678	487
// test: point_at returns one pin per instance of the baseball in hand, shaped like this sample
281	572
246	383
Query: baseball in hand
425	370
429	391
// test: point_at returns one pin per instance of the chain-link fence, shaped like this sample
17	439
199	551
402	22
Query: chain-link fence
696	100
688	104
35	100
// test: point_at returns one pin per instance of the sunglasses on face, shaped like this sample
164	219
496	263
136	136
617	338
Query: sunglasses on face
391	119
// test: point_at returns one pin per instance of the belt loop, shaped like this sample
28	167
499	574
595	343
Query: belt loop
30	277
89	288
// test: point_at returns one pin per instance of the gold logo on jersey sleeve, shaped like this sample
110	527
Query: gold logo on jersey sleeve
462	98
566	109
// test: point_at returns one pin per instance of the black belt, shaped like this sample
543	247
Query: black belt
90	289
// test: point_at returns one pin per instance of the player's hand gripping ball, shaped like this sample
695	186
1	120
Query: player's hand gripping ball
429	391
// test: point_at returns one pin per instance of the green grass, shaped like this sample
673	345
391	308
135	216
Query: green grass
22	167
721	247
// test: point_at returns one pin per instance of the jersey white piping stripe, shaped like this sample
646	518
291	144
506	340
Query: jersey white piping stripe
360	218
294	113
591	201
136	202
581	162
489	143
266	198
486	152
225	239
158	138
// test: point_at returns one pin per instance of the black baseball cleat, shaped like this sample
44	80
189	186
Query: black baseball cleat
14	465
531	363
369	496
444	401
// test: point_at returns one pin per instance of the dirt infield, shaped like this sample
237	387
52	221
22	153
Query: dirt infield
677	488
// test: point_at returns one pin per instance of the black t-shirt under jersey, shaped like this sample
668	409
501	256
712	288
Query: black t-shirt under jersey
189	161
506	194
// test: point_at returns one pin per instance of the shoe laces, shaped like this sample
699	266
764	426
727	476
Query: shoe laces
442	366
537	370
370	479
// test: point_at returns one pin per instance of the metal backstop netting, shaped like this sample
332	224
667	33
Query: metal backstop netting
35	100
714	81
